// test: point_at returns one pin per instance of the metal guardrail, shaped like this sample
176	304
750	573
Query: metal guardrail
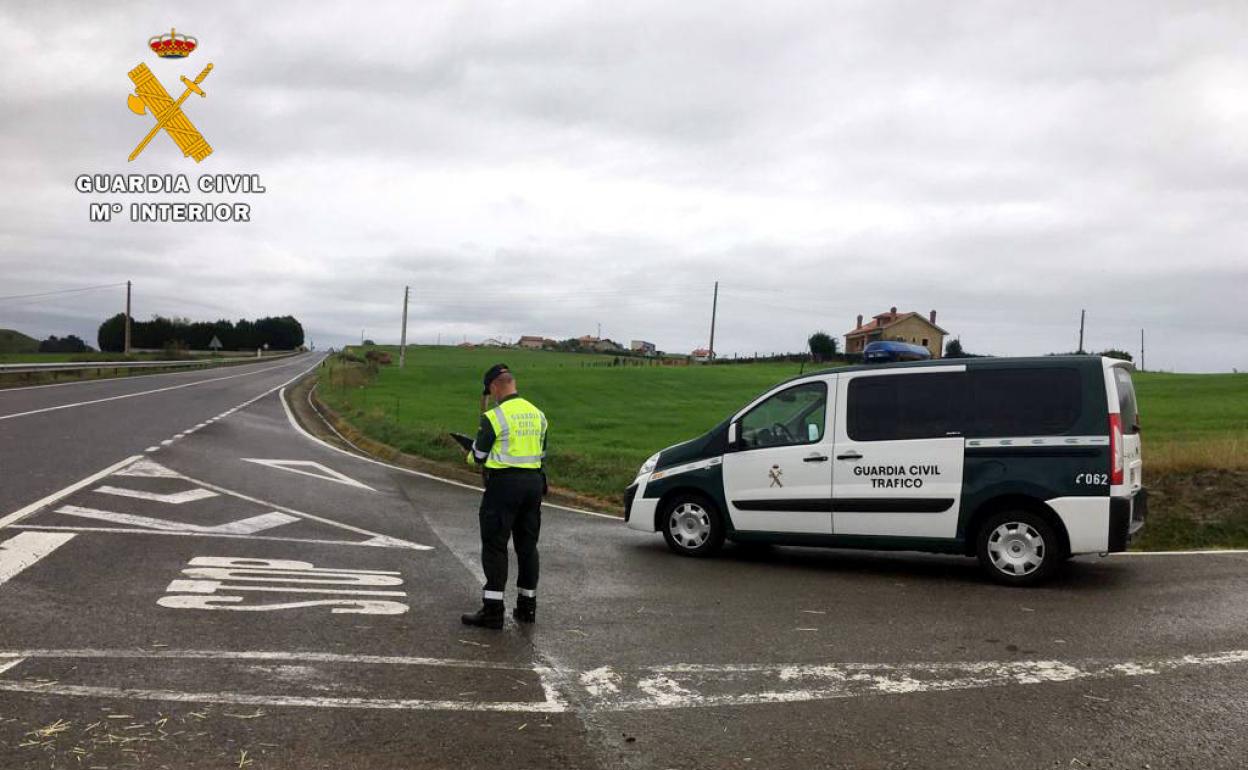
69	366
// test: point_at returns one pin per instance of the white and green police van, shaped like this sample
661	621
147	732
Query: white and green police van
1022	462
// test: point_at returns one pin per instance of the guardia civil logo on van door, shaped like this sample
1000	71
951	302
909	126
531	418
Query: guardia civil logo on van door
169	127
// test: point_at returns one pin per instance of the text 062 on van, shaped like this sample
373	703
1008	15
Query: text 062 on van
1022	462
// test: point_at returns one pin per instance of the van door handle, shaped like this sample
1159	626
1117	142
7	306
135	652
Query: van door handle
815	459
850	455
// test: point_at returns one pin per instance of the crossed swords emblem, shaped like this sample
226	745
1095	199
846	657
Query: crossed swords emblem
150	96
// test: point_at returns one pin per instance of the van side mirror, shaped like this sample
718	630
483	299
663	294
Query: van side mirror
734	431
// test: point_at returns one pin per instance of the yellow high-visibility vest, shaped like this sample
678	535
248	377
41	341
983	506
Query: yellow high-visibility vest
519	435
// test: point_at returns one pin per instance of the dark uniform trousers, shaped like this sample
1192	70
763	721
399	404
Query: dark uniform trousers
511	508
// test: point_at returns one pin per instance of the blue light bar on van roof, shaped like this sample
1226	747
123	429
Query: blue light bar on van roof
890	350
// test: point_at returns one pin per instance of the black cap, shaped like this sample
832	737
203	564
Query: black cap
491	374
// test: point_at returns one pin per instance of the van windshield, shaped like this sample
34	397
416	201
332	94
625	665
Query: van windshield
1126	400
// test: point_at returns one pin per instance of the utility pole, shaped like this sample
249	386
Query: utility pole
361	337
600	330
403	336
127	345
1082	315
714	308
1142	350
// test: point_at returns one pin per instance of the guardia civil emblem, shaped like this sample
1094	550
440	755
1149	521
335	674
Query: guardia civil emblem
150	97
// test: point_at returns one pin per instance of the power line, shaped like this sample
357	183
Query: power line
62	291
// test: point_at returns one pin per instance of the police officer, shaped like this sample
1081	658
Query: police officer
510	443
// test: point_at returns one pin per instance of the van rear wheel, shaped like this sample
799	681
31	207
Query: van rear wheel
692	525
1019	548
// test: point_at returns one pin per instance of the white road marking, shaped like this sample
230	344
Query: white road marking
361	457
22	513
317	471
1206	552
6	665
248	526
214	578
644	689
175	498
213	586
269	655
24	549
151	449
381	541
147	469
243	699
106	399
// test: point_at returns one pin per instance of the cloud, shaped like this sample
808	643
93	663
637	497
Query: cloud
542	169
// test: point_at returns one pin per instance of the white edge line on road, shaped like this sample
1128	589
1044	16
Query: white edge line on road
74	404
242	699
142	373
295	423
1205	552
301	657
22	513
10	664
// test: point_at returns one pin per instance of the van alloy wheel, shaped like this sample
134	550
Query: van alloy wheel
1019	547
1016	548
690	525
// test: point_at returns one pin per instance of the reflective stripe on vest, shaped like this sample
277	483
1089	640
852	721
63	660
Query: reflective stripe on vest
519	432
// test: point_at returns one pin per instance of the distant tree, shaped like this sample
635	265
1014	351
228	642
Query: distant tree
70	344
1115	353
112	335
369	343
953	349
822	346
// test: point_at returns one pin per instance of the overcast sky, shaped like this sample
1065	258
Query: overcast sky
540	168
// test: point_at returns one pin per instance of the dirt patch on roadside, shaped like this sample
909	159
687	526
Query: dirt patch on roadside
1199	508
323	422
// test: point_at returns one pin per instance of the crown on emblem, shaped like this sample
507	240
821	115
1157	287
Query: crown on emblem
172	45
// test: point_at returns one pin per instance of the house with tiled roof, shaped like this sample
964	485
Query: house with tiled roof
902	327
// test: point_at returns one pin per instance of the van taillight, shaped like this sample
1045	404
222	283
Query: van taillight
1115	449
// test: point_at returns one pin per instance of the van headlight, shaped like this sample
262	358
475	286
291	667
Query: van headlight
648	466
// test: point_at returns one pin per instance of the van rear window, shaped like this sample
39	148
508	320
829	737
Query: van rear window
1126	400
1022	402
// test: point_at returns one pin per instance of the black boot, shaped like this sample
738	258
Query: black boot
526	609
489	616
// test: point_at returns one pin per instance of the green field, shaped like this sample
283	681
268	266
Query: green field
605	420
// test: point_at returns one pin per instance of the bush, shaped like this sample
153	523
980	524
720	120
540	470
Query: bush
822	346
70	344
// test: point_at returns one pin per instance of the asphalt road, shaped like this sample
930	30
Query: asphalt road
247	596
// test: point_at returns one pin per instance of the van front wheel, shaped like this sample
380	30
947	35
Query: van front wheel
1018	548
692	525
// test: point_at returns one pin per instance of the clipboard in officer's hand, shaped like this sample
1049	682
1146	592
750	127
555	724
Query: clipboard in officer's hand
462	440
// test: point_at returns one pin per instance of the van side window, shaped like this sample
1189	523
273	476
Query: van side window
1023	402
793	416
905	406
